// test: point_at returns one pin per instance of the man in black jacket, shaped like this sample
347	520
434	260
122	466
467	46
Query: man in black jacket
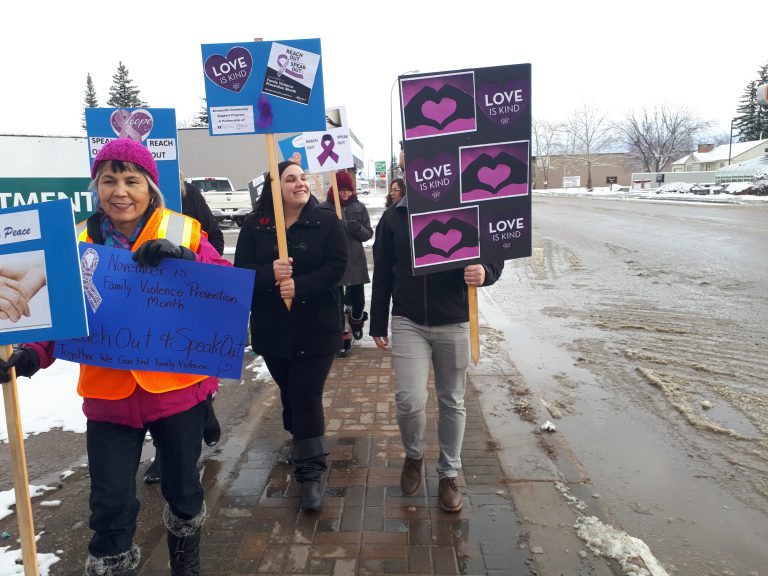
430	323
193	204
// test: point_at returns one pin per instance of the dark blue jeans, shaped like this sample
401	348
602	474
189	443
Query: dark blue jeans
114	453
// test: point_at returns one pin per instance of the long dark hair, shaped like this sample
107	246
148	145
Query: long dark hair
400	182
264	205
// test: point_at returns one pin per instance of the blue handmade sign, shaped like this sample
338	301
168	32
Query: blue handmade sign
179	316
264	87
153	127
41	293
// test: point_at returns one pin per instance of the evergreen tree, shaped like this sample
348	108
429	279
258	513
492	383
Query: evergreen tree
201	120
752	118
90	98
123	94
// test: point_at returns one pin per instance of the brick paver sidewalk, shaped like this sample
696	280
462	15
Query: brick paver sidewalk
366	526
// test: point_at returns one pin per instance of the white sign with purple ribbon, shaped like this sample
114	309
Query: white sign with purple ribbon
330	149
290	73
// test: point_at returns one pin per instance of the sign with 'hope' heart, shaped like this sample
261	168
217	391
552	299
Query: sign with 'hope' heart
135	125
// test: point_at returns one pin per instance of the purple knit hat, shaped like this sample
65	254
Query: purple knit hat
126	150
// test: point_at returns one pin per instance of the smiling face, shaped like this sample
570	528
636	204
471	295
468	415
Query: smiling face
295	188
124	196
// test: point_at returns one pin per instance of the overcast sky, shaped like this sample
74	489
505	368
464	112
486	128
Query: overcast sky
617	55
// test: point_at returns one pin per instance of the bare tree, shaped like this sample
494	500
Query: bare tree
546	143
664	133
589	134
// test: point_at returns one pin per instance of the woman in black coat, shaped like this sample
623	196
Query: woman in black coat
352	284
298	346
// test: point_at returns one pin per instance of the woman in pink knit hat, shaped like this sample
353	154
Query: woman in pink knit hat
121	405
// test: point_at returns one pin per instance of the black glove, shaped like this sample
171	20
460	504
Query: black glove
353	226
152	251
25	360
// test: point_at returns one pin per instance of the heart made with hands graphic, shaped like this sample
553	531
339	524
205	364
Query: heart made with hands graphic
494	173
445	238
438	108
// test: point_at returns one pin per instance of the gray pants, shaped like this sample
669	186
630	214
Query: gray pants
447	347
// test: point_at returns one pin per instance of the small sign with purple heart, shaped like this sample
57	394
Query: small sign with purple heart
264	87
467	165
155	128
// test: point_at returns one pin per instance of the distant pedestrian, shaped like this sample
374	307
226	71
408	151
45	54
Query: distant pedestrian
396	192
193	204
352	284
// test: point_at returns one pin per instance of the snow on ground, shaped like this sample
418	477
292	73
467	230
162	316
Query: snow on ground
48	400
682	194
632	554
8	499
10	560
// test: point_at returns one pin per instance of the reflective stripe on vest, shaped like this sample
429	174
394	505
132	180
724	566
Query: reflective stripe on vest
114	384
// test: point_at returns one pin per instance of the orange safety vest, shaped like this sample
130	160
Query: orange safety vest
110	383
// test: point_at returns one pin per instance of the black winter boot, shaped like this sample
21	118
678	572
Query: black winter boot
123	564
345	346
357	324
212	428
152	475
311	496
184	542
309	458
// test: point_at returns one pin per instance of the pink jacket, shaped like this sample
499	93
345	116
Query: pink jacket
143	407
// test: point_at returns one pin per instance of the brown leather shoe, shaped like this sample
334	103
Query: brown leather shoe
410	479
449	496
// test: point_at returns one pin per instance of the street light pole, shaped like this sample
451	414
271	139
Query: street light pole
730	142
391	133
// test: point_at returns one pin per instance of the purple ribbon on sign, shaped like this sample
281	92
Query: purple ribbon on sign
327	144
89	261
122	121
282	61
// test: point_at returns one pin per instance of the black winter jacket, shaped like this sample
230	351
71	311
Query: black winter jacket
193	204
358	227
318	245
430	300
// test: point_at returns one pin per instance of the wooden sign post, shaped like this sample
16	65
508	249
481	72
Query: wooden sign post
474	329
19	470
277	201
336	201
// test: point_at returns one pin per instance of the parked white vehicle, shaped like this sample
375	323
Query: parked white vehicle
211	183
225	202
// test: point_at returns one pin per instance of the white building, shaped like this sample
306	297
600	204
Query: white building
709	158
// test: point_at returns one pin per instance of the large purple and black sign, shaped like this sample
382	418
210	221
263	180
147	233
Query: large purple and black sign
467	165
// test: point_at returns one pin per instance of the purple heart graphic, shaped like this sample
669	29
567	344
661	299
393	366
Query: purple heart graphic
432	177
506	101
494	176
438	111
445	241
230	72
135	125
